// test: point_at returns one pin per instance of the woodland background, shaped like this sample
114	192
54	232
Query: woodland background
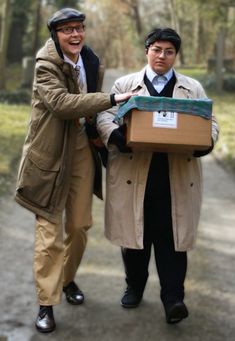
116	29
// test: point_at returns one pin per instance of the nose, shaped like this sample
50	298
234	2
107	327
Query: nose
75	32
162	54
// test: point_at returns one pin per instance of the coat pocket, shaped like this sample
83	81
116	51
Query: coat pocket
37	178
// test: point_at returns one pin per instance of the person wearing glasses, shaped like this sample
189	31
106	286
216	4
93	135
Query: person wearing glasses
60	168
153	199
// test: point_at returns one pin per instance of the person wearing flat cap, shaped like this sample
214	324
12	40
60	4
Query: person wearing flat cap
60	167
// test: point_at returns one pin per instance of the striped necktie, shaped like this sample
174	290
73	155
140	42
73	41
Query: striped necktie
79	77
79	121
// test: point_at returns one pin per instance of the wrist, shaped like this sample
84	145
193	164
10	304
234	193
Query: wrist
112	100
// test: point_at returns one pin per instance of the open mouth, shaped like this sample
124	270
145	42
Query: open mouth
75	43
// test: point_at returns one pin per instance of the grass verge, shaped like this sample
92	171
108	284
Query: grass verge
13	128
223	108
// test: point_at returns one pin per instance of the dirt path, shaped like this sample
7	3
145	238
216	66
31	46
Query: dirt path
210	285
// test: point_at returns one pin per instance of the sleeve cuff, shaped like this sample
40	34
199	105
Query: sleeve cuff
112	100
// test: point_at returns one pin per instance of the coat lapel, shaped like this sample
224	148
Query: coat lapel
91	64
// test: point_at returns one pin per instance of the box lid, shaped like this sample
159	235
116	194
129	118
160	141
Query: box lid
200	107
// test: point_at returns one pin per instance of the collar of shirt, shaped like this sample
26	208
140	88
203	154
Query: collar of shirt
158	81
151	74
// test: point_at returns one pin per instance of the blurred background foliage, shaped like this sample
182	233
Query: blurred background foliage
116	29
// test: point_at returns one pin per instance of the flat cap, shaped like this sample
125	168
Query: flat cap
65	15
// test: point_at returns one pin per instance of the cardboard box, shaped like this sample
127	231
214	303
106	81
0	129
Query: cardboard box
167	131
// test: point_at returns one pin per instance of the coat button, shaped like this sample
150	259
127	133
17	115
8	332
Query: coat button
191	184
128	182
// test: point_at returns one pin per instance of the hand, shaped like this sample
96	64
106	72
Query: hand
123	97
118	138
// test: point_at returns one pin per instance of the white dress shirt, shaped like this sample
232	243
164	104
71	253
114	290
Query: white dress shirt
158	81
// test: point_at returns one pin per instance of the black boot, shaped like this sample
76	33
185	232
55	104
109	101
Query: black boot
175	312
130	298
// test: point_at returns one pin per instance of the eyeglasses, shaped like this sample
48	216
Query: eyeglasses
158	51
69	29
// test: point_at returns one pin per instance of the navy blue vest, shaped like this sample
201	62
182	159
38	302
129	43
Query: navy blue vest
158	184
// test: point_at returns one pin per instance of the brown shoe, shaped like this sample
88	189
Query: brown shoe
45	322
73	294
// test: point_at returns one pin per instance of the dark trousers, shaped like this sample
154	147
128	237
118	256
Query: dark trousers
171	265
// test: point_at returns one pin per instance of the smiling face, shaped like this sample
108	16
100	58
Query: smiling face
161	56
71	38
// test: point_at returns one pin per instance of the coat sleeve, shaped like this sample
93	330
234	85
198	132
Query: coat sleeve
50	84
105	119
215	128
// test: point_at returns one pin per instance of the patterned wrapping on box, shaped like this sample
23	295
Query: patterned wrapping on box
200	107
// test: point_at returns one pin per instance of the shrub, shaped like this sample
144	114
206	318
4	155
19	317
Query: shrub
228	82
21	96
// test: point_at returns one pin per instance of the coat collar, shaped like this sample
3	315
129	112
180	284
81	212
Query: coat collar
182	81
138	83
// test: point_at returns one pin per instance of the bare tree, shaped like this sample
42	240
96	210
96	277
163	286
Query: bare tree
37	24
175	23
5	22
133	11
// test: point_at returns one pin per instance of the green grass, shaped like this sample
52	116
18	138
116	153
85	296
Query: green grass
197	72
13	127
223	108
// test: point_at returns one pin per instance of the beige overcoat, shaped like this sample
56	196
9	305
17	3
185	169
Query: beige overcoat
44	172
127	175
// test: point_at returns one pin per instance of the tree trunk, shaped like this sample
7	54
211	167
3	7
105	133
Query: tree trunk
134	13
37	23
219	60
19	22
4	38
176	25
136	17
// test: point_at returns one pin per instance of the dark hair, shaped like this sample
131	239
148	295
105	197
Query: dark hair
163	34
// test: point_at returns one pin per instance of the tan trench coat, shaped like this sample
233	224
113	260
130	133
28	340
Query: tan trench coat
44	172
127	175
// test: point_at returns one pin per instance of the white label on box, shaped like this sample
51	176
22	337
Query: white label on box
165	119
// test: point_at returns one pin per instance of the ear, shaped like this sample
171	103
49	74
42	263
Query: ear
146	51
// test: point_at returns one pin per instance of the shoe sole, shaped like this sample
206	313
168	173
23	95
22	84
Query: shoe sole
75	303
45	331
129	306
